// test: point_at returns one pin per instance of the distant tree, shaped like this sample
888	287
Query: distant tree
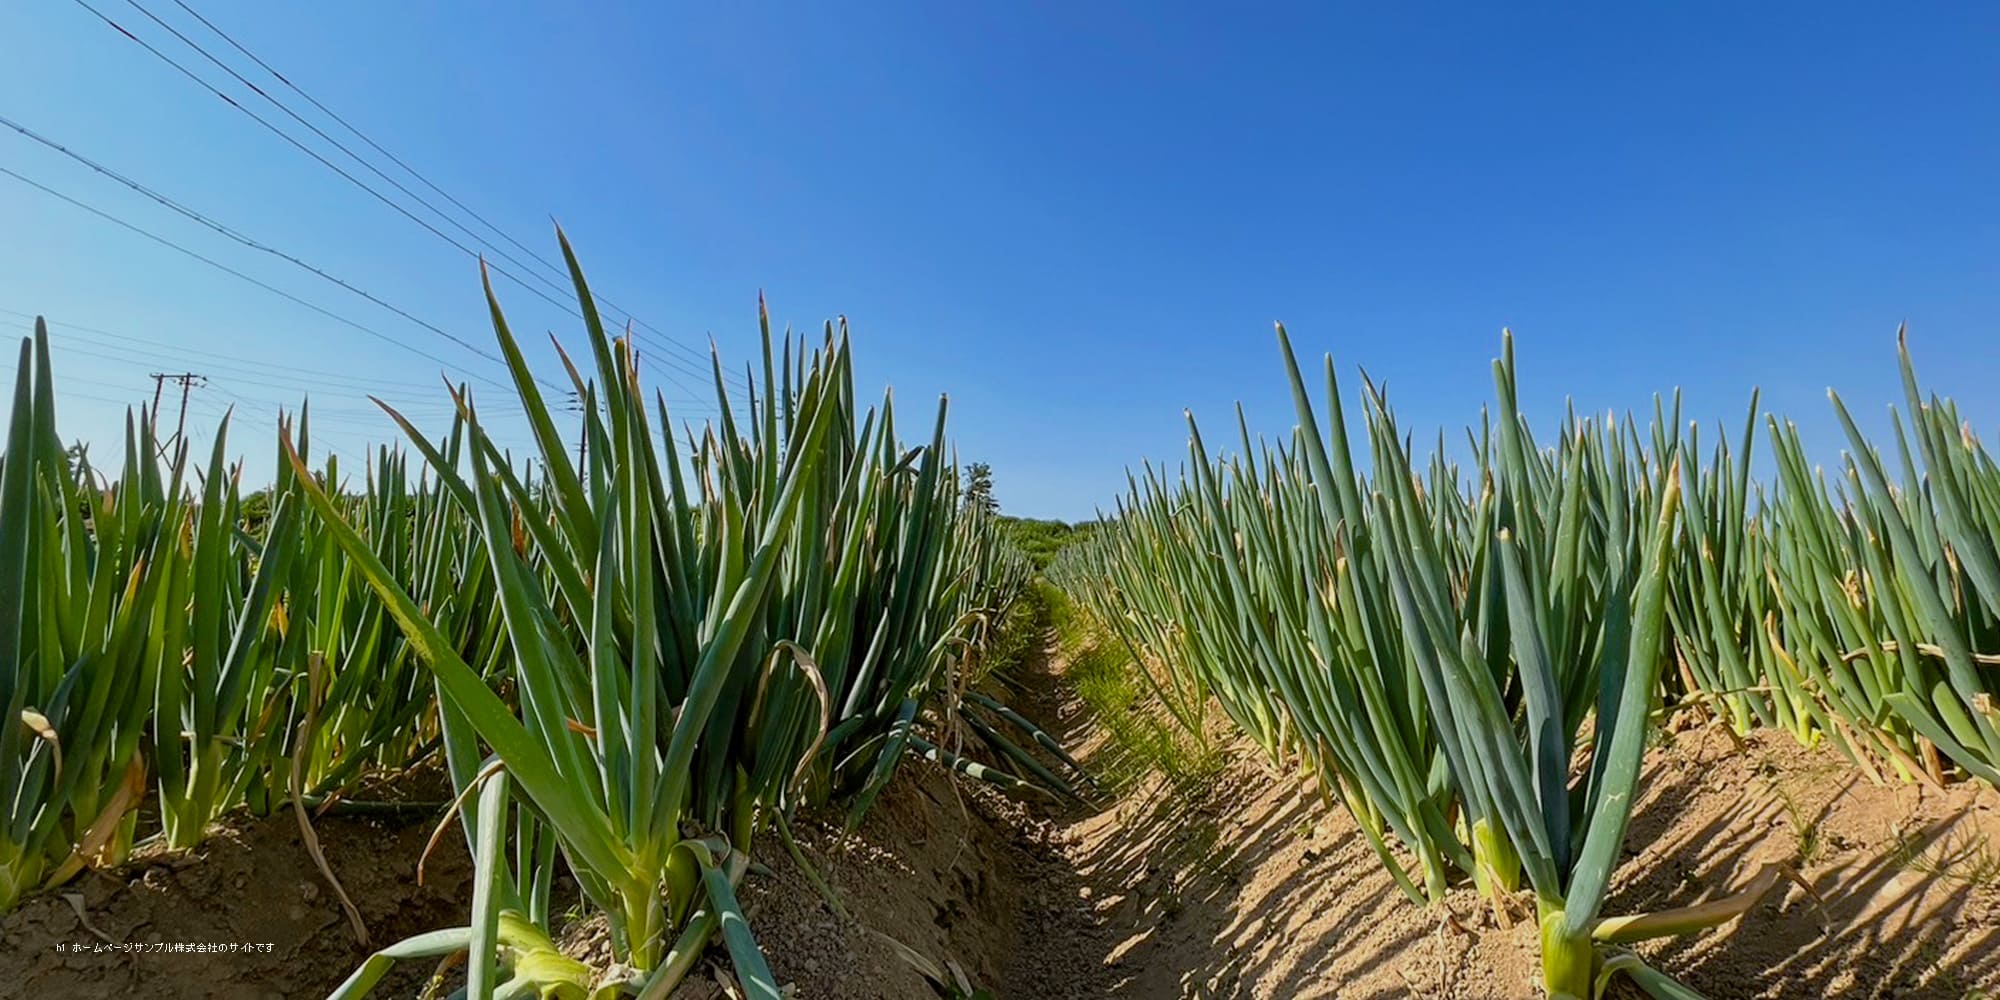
979	488
255	510
1040	540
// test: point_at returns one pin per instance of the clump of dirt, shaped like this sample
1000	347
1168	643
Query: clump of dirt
954	878
252	889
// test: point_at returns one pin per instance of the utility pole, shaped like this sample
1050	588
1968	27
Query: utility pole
187	380
574	404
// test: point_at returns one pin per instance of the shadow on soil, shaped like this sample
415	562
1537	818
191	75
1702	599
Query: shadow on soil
1255	886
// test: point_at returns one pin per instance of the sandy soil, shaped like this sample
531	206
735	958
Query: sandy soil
1255	890
1262	891
1298	906
252	883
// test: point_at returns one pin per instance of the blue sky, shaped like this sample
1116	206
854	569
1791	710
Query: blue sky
1076	219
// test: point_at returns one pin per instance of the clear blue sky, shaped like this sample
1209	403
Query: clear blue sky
1077	219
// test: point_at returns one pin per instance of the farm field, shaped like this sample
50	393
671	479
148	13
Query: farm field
777	706
644	500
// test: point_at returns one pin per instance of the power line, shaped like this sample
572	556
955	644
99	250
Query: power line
100	383
284	377
320	438
317	375
309	151
264	374
163	241
559	271
356	413
344	123
362	418
252	406
330	420
147	358
338	421
237	236
335	143
131	401
136	401
325	427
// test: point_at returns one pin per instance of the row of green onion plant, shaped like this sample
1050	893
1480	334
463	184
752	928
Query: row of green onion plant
704	630
80	591
375	710
251	660
1123	591
216	687
1561	620
1861	609
1469	659
152	639
265	629
1258	580
1887	591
